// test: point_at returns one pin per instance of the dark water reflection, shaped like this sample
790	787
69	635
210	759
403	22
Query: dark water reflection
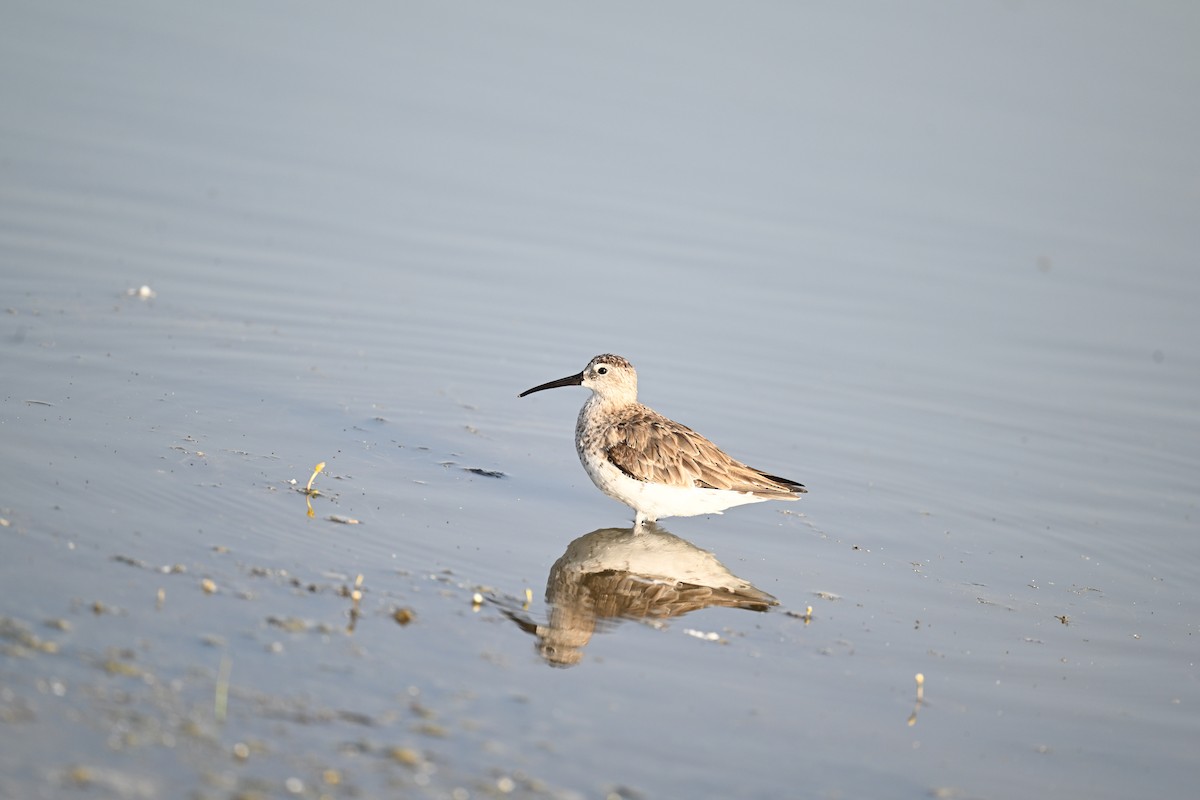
614	574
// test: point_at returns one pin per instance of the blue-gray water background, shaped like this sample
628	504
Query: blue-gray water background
937	261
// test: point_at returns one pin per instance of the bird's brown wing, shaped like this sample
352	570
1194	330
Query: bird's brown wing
649	447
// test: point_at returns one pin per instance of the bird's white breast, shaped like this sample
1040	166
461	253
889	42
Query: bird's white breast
655	500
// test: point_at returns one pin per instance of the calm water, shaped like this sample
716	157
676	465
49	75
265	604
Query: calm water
937	264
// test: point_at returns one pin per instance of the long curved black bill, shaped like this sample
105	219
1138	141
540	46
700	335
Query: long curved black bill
570	380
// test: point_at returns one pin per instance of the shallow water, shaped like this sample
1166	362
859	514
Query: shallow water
937	266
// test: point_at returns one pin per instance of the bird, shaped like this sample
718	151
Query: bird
653	464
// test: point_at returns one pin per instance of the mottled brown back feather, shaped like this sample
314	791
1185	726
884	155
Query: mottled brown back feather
649	447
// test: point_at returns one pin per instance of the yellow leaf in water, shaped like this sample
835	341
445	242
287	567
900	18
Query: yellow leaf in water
316	471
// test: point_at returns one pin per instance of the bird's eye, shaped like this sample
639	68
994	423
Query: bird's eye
601	370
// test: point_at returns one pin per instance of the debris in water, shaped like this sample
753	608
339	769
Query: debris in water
806	616
355	599
912	718
316	471
487	473
221	697
309	492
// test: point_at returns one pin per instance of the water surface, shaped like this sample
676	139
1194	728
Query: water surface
937	264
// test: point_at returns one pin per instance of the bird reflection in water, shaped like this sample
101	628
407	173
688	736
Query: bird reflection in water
619	573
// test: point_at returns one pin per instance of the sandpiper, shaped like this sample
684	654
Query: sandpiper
653	464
